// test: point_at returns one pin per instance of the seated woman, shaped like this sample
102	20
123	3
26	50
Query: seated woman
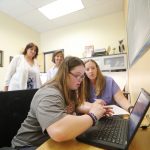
102	87
53	109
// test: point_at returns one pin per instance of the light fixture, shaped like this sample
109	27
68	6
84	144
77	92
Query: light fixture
60	8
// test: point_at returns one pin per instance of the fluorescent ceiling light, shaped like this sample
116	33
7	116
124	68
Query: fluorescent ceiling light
60	8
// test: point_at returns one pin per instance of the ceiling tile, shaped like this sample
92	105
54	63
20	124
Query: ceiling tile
26	12
39	3
32	18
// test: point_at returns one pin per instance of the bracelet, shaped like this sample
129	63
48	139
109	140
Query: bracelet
94	118
129	109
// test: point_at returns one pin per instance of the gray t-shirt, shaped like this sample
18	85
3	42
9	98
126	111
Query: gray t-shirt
47	107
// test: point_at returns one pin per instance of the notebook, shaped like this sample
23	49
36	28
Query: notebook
124	129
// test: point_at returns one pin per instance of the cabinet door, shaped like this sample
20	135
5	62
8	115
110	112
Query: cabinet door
111	62
115	62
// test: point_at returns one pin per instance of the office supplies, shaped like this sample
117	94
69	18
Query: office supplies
122	130
99	52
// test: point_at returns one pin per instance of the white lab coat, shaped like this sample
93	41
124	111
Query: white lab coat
17	75
52	72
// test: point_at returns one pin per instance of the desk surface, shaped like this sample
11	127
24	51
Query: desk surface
141	141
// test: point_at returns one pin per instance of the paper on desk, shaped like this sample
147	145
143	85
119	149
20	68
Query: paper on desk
118	110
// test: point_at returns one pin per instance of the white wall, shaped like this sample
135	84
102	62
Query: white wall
139	75
13	38
101	32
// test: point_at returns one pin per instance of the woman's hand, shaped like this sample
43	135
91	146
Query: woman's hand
99	105
101	101
84	108
109	111
97	109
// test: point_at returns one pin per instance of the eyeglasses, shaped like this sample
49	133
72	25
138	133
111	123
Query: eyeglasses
79	78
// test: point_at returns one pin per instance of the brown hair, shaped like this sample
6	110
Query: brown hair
30	45
56	53
100	81
60	81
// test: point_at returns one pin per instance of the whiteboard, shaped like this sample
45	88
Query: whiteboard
138	28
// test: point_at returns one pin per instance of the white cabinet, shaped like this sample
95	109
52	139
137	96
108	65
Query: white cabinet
111	62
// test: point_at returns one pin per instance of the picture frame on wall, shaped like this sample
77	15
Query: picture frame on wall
1	58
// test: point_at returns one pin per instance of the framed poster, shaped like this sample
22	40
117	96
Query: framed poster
1	58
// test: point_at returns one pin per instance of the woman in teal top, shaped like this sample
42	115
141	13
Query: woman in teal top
103	88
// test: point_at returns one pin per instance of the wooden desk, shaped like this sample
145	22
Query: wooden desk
141	141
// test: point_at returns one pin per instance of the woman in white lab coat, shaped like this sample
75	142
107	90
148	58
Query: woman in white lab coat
23	71
57	59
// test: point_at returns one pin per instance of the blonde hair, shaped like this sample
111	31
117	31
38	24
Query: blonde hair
60	80
100	81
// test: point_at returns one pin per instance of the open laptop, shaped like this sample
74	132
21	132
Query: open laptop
99	135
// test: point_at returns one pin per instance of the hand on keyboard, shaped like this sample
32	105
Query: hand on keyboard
109	111
97	109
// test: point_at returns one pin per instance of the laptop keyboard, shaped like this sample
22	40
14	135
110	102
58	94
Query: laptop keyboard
110	130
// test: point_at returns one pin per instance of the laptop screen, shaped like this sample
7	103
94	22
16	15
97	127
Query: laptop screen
139	110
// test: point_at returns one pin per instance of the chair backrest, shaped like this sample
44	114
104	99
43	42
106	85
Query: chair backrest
14	107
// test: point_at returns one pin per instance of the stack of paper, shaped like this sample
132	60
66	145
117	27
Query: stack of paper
118	110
